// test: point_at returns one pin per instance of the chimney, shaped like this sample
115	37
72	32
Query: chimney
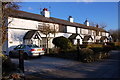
70	19
97	26
45	13
86	23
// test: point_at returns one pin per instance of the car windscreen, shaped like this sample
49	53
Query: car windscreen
33	46
20	47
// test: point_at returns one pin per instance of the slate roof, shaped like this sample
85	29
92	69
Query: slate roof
86	38
37	17
103	38
73	36
29	34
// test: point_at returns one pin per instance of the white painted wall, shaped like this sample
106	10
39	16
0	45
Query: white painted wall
50	44
71	29
15	37
90	40
98	37
22	23
63	34
52	26
84	31
107	34
75	40
78	29
103	34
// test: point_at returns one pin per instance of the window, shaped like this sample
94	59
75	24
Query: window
90	32
71	29
20	47
97	33
84	31
62	28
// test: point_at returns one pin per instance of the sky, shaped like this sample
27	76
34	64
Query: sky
97	12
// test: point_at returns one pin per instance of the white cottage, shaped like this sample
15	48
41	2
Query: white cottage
24	30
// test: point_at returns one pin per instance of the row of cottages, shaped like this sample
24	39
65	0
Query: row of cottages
23	29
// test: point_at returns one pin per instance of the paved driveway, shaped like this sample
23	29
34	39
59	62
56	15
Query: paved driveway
49	67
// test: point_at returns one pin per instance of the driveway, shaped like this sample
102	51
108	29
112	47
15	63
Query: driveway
50	67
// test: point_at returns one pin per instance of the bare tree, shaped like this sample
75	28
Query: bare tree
103	25
6	9
93	23
46	29
115	35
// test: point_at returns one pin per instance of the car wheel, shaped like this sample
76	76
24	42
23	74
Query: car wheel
25	56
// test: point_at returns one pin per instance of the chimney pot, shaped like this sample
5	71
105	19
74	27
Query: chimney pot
86	23
97	25
45	9
45	13
70	19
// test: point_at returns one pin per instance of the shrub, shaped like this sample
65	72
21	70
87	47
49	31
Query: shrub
86	55
94	45
62	42
86	51
117	43
110	43
83	46
97	49
107	48
96	57
7	66
85	43
117	46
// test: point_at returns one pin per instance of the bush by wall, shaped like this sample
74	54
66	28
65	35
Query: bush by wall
7	65
62	42
110	43
107	48
86	55
117	45
10	70
83	46
95	47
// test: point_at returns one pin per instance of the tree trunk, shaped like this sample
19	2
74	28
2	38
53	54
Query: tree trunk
47	45
1	16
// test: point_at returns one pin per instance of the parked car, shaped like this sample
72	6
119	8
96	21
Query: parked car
28	51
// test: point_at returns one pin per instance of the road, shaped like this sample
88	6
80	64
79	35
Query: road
50	67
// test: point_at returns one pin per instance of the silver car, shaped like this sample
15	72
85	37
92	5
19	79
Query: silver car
28	51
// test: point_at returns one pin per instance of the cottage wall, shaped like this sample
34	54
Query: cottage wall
75	40
19	27
84	31
71	29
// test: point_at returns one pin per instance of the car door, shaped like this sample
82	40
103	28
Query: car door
19	47
15	51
